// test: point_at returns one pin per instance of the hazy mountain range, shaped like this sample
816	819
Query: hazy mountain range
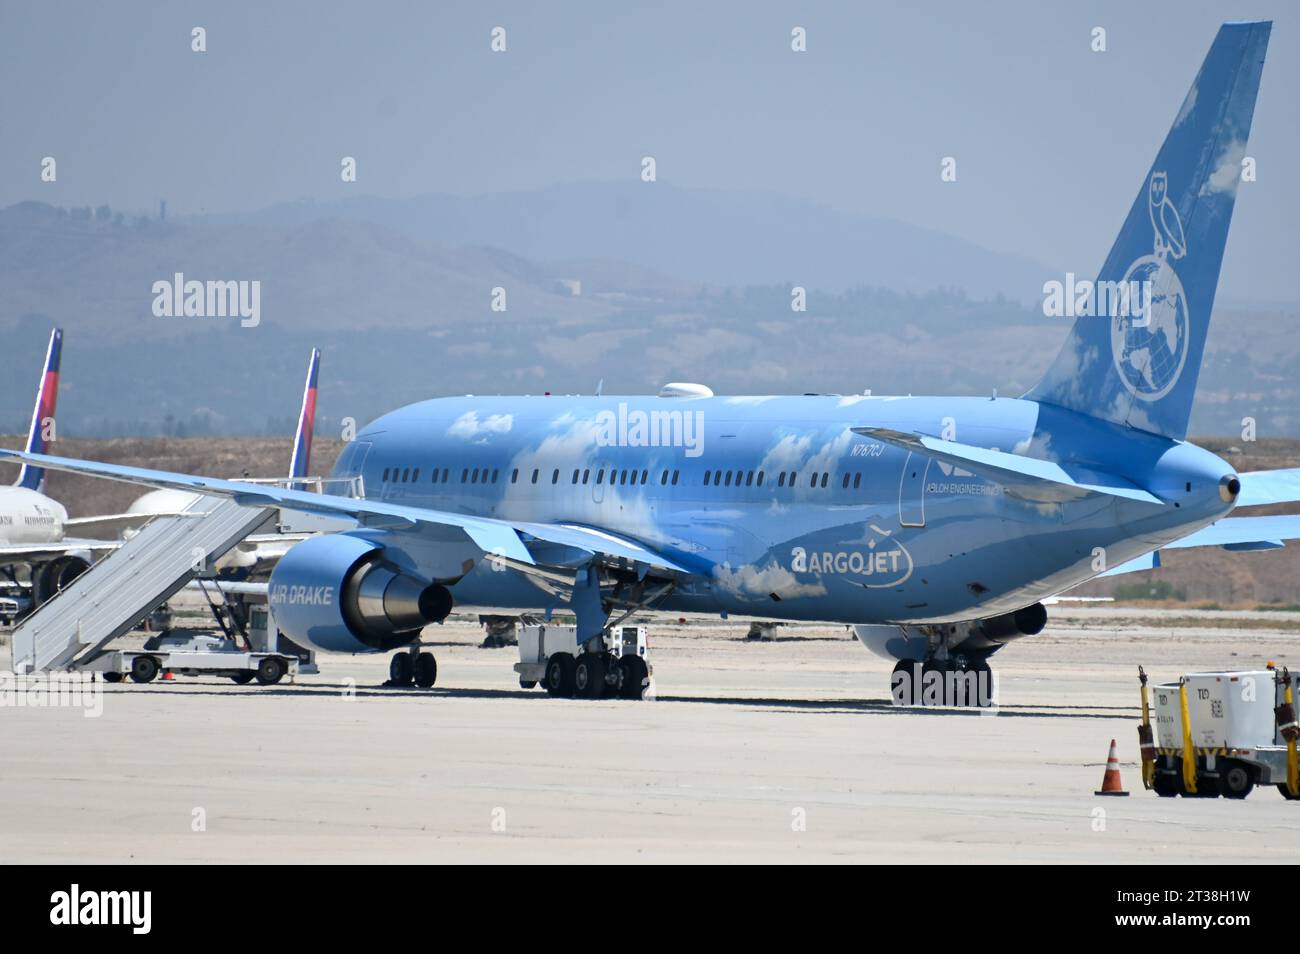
702	235
634	285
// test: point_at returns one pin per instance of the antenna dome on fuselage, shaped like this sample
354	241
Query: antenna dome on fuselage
685	389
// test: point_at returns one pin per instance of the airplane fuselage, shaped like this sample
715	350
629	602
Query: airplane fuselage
28	517
780	508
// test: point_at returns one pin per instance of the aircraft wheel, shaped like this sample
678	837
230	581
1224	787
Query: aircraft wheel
903	683
589	675
559	674
633	673
400	669
938	668
983	682
425	670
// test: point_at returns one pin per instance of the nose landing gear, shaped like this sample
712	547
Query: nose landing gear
412	667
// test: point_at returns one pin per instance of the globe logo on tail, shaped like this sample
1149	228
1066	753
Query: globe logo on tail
1150	349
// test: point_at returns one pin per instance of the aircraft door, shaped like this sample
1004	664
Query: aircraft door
911	491
354	466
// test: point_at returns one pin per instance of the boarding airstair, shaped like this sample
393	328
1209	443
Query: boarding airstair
113	595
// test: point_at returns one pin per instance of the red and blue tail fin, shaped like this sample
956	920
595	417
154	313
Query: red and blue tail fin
300	464
42	430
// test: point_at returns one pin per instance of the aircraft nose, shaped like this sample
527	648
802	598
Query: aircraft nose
1229	488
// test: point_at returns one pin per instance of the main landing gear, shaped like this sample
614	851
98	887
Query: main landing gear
955	681
412	667
596	675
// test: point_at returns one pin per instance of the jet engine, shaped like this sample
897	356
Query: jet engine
49	579
988	635
337	593
979	637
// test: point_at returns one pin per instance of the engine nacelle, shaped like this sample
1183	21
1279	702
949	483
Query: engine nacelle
337	593
996	631
980	637
49	579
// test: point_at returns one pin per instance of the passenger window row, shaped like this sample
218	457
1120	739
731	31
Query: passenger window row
738	478
621	477
403	475
483	475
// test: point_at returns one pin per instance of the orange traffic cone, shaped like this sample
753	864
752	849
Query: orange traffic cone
1110	783
168	676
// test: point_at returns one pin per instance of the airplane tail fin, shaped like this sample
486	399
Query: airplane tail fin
42	429
300	463
1137	362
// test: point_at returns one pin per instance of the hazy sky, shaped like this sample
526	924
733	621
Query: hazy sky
1051	139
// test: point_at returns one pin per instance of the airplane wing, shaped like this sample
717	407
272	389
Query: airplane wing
1230	533
1026	477
112	524
1260	487
499	537
11	553
272	540
265	550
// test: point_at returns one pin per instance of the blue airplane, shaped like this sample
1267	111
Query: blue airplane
937	526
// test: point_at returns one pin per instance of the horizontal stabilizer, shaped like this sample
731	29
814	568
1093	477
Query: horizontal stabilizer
1027	477
1148	561
1230	533
1261	487
1238	533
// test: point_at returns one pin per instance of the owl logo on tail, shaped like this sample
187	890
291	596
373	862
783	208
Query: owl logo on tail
1150	347
1168	225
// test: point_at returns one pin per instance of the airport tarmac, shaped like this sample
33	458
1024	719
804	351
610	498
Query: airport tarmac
753	751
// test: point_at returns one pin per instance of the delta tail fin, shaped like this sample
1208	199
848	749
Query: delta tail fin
1137	363
300	462
42	429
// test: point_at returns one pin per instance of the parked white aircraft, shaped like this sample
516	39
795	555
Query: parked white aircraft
42	549
169	501
36	535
